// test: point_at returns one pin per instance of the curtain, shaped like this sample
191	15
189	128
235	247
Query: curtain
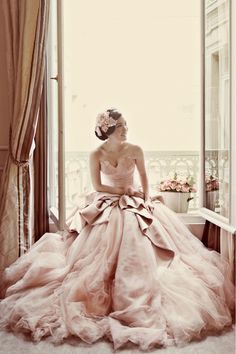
25	26
41	223
211	236
227	249
221	241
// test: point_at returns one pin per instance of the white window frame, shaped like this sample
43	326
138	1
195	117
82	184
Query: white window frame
227	224
57	216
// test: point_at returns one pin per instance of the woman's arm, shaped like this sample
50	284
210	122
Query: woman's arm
142	171
96	176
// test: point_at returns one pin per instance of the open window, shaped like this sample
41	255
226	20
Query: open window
217	206
150	70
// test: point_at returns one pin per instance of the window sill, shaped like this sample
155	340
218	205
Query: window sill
194	222
218	220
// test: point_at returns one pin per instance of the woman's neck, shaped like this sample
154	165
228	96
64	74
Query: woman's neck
114	146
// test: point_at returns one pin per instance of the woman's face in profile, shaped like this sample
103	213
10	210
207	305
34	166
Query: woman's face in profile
120	132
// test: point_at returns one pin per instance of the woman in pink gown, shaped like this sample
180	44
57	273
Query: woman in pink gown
132	272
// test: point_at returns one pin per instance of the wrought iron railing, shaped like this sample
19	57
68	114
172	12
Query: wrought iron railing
159	164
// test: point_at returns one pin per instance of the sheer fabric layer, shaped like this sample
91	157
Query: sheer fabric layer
134	273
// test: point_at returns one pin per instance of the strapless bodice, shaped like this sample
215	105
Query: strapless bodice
121	175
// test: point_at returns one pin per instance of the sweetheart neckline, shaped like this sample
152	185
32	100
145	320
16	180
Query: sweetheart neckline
118	161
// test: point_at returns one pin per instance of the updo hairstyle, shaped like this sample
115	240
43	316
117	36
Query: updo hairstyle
113	113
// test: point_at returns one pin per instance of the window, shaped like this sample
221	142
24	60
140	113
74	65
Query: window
142	58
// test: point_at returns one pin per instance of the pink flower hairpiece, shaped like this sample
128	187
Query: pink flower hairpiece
104	122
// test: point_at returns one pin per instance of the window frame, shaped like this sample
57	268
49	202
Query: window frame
56	38
227	224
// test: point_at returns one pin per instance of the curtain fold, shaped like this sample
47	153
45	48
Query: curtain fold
41	223
227	249
221	241
25	23
211	236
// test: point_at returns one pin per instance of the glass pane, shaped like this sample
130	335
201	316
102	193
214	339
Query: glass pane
217	106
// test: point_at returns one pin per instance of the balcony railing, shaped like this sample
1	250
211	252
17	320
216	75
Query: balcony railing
159	165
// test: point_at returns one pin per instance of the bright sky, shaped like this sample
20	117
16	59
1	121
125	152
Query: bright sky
140	56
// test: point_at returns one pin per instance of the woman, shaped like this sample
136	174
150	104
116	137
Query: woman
134	273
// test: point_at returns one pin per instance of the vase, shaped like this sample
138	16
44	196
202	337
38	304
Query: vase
212	198
176	201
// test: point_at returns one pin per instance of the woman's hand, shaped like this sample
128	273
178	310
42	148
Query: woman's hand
119	190
148	202
138	194
133	193
158	197
129	191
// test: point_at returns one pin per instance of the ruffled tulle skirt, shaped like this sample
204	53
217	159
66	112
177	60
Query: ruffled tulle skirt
133	273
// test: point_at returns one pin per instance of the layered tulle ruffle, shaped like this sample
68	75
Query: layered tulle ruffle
130	275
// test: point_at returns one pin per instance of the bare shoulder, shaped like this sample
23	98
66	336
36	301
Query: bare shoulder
95	155
136	150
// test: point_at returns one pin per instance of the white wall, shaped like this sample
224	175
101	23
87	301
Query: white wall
142	57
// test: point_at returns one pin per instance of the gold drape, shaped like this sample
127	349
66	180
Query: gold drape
25	24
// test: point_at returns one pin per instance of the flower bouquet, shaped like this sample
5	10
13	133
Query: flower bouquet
176	192
211	183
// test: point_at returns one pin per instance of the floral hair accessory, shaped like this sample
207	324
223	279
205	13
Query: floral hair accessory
104	122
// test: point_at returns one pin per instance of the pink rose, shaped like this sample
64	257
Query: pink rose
185	189
104	121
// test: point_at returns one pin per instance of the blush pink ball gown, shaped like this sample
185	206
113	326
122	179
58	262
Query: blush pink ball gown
133	273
